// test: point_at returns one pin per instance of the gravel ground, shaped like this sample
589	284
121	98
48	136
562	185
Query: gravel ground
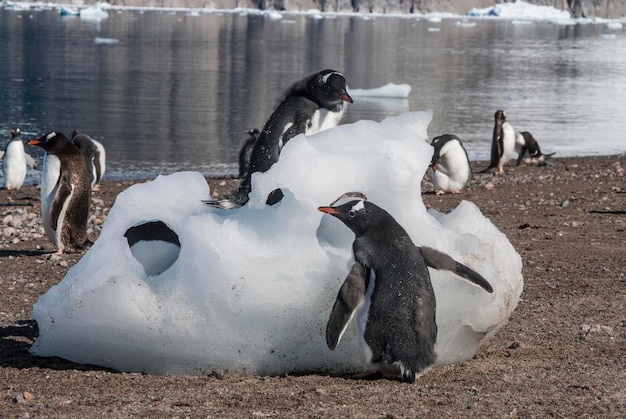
562	354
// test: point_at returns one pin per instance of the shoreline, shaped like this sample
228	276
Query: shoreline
585	10
563	352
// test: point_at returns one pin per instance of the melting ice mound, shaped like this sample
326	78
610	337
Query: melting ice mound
251	289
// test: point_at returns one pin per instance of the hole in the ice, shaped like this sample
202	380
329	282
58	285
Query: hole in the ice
154	245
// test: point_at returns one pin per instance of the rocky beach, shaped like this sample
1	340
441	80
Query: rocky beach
562	354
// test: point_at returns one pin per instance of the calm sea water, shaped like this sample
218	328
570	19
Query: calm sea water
167	91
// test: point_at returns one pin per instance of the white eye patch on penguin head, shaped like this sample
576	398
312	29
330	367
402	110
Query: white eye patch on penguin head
50	136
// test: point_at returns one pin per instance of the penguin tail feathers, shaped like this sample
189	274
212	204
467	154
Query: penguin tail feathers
441	261
223	203
80	245
228	202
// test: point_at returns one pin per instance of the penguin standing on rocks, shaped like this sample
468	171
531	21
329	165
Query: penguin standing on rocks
450	166
525	142
246	151
15	161
311	105
502	142
95	156
65	192
390	286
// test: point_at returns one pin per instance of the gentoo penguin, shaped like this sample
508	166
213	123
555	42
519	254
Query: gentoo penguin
15	161
525	142
502	142
450	167
311	105
65	192
95	156
390	286
246	151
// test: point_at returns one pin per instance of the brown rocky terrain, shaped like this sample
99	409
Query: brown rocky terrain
562	354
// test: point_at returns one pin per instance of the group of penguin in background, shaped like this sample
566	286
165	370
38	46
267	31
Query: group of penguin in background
450	167
388	287
71	169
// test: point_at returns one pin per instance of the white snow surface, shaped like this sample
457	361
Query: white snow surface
252	288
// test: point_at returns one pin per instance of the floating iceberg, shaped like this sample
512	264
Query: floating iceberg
520	10
95	12
250	289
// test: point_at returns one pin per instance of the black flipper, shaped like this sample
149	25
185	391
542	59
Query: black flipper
350	297
520	157
441	261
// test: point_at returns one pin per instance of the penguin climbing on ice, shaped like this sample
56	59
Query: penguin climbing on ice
95	156
450	167
246	151
15	161
389	286
65	192
525	142
502	142
311	105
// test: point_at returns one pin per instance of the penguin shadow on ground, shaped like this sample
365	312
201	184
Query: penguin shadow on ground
21	200
16	339
5	253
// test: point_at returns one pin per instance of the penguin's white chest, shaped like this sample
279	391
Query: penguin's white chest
453	169
49	187
323	119
14	165
508	143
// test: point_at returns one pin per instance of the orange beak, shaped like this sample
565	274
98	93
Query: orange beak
346	98
329	210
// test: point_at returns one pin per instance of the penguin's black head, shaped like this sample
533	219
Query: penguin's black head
500	116
51	141
328	89
15	132
358	215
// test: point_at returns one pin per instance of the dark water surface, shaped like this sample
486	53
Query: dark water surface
167	91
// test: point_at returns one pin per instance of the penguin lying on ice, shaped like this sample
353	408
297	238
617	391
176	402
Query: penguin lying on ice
95	156
450	166
389	285
313	104
502	142
525	142
15	161
65	192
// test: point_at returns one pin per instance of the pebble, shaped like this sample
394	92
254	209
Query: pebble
20	224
